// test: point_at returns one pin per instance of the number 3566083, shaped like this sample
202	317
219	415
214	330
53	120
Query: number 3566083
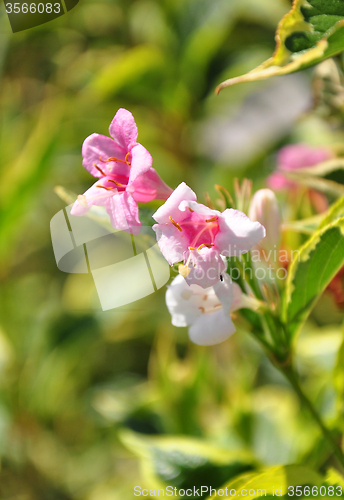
33	8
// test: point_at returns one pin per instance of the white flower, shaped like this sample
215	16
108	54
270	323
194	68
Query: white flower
206	311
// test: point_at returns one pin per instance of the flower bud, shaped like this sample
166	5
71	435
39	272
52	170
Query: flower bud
264	209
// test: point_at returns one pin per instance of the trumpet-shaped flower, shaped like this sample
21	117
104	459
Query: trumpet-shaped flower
206	311
125	174
293	157
201	237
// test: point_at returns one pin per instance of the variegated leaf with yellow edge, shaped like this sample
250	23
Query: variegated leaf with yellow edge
312	31
311	270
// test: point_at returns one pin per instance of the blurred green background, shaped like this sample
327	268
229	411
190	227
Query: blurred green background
93	403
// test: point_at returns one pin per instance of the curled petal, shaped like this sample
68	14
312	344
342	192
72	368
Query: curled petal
237	233
211	329
124	213
123	130
198	208
171	207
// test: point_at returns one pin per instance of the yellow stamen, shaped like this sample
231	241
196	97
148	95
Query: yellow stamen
202	309
117	183
191	248
112	158
126	159
204	245
108	188
190	209
211	220
175	224
99	169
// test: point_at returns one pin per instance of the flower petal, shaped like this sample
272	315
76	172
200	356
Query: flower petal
183	311
278	181
149	187
123	129
170	242
237	233
296	156
144	183
124	213
171	205
99	147
225	292
93	196
206	269
242	300
141	162
198	208
211	329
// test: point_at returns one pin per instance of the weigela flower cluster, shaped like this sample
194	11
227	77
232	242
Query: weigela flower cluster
188	233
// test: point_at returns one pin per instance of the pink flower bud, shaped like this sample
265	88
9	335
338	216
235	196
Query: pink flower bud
264	209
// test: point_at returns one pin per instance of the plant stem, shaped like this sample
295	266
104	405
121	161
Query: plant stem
293	379
253	281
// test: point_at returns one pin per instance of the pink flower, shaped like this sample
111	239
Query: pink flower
125	173
200	237
294	157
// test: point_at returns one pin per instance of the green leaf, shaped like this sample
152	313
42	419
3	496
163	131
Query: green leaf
25	175
334	212
325	168
324	185
334	477
272	481
319	221
305	226
339	381
125	69
327	176
311	32
317	262
185	462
